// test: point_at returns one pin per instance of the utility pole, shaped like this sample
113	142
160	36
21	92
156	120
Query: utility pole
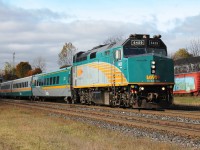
13	64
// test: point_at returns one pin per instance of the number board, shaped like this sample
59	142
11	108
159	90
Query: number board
137	42
154	43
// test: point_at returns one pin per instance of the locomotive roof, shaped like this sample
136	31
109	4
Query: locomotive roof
100	48
84	54
190	60
105	46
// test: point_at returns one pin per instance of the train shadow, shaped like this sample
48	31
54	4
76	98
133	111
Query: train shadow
184	107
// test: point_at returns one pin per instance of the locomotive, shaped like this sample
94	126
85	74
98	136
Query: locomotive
135	72
132	73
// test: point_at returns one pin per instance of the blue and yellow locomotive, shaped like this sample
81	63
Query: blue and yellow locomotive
131	73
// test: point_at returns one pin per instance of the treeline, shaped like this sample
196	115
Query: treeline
23	69
192	50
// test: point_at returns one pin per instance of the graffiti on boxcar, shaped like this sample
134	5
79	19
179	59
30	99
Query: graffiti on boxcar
186	68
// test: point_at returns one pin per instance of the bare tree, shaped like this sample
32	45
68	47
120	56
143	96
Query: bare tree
39	62
194	47
65	57
9	71
113	39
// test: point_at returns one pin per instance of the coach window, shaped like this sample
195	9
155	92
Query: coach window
54	80
57	80
51	81
45	81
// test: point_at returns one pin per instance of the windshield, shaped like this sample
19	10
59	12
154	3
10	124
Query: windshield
139	51
133	51
157	51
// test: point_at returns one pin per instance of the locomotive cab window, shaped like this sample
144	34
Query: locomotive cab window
118	55
157	51
133	51
93	55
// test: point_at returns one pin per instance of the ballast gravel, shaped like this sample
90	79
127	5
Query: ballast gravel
137	132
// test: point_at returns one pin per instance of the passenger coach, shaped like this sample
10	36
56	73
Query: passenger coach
55	84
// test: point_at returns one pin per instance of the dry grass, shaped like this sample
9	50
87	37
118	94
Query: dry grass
23	129
192	101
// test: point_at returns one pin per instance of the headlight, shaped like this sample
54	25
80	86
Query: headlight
153	71
142	88
153	66
163	88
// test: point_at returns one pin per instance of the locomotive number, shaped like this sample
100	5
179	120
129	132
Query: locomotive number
137	42
152	77
155	43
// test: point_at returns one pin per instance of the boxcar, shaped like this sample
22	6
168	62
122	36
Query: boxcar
21	88
187	83
55	84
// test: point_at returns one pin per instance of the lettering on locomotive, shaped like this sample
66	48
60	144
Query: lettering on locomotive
137	42
154	43
152	77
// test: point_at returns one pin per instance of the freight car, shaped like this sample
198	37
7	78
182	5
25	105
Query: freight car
135	73
131	73
187	76
187	84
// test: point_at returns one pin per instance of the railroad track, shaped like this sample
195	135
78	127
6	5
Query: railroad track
149	121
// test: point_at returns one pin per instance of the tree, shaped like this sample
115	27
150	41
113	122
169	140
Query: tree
65	57
9	71
113	39
194	47
181	53
33	72
39	62
22	69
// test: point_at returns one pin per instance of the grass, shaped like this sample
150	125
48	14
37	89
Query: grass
24	129
192	101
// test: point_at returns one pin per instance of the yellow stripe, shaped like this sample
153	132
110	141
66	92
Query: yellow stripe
152	83
56	87
109	71
100	85
5	91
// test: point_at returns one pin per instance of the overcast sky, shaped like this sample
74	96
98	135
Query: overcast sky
33	28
